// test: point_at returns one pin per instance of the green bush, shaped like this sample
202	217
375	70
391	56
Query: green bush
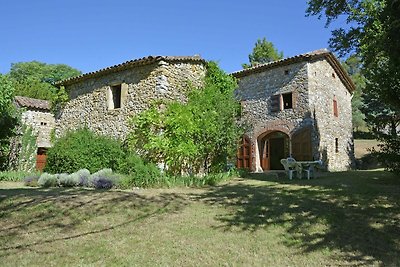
68	180
82	149
138	173
83	175
47	180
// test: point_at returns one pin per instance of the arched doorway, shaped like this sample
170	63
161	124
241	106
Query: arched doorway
243	156
272	147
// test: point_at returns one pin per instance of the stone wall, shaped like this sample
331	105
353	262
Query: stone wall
42	124
313	85
140	86
325	86
255	92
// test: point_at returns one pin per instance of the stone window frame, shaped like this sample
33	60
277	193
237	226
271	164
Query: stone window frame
123	87
278	102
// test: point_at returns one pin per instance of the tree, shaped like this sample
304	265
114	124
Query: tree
8	118
35	79
263	52
353	67
191	137
373	33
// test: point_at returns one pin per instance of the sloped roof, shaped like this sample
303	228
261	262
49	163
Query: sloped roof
130	64
321	53
27	102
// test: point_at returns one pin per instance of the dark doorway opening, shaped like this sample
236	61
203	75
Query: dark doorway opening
272	148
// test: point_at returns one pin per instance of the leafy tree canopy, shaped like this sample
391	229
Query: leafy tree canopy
353	67
263	52
195	136
35	79
8	118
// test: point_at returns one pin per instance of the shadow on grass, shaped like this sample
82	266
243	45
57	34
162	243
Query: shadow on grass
357	213
66	214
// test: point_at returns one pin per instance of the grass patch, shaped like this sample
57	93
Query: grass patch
349	218
16	176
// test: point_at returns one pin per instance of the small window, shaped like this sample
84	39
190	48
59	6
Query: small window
335	108
116	96
42	123
287	101
286	72
336	145
333	75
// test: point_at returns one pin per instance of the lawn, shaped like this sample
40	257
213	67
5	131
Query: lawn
350	218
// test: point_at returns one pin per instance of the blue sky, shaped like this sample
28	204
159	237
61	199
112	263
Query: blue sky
92	34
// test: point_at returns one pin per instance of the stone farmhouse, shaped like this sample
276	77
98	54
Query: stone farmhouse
36	114
299	106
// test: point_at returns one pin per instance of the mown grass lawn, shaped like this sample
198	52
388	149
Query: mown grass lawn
350	218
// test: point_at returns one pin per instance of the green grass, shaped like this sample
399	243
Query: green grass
349	218
16	176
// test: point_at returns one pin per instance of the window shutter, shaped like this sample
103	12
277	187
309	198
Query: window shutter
335	108
275	103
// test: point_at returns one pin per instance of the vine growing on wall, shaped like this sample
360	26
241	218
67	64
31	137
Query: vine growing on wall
197	136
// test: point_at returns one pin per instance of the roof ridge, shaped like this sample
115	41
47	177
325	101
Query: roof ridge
130	63
323	52
30	102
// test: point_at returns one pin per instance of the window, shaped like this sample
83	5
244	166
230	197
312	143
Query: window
333	75
286	72
42	123
281	102
116	96
335	108
287	101
336	145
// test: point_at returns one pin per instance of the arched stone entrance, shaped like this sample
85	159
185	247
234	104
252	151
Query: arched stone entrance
272	146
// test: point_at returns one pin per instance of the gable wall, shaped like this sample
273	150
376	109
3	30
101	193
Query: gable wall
255	91
35	119
146	84
323	88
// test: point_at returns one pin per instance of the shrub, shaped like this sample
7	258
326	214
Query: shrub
103	179
138	173
31	180
82	149
68	180
47	180
83	175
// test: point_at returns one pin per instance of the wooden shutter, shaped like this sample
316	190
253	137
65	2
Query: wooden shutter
275	103
335	108
301	145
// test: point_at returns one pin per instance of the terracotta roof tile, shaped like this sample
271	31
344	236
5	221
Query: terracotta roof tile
321	53
23	101
130	64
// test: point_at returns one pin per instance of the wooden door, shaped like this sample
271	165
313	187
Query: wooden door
41	158
243	156
265	157
301	145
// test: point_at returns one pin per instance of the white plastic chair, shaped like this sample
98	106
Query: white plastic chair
290	166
